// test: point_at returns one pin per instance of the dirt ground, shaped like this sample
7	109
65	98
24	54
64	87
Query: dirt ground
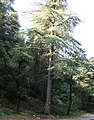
28	117
83	117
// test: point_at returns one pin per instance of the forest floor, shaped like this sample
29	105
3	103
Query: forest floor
87	116
28	117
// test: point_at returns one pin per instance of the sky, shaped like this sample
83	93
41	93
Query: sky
84	32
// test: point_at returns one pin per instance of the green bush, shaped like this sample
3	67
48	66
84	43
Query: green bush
4	112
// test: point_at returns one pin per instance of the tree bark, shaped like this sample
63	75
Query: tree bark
49	84
18	100
70	100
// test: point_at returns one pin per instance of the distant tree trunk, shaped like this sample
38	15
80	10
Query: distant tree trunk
70	100
18	85
18	102
17	96
28	87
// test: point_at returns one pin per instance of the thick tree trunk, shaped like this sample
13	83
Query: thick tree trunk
70	100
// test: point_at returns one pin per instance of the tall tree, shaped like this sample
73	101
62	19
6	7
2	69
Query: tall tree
53	25
9	40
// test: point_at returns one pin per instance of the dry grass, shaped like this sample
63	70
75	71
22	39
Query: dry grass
18	117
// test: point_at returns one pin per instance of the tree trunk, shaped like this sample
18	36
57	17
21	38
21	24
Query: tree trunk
51	58
70	100
49	84
18	96
18	101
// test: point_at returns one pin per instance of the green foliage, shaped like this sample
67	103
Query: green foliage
4	112
24	61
